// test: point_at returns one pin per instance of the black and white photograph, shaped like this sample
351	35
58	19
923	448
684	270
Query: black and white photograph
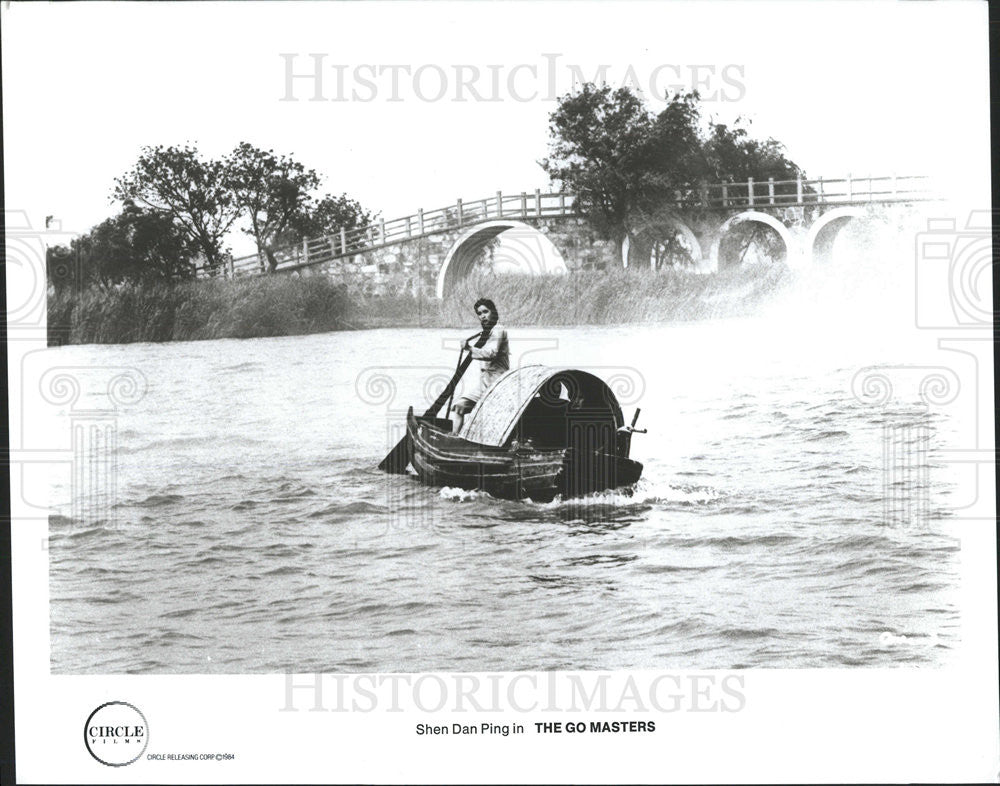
501	391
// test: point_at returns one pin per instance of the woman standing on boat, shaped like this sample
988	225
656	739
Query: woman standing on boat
493	353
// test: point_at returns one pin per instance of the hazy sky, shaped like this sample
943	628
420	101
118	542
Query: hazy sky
848	87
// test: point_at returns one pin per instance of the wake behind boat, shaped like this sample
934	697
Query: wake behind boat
537	433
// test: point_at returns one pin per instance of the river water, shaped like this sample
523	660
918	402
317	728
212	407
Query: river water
249	530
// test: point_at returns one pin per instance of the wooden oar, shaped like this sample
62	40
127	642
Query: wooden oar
458	365
398	458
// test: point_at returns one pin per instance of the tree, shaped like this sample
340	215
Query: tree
677	165
600	150
626	166
273	192
677	157
328	216
735	156
732	154
136	245
143	245
194	192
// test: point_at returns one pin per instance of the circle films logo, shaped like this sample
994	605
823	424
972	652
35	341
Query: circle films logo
116	733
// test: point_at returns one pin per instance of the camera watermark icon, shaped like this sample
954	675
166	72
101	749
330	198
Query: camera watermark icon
954	274
379	387
906	433
905	473
912	399
26	252
954	295
316	77
91	457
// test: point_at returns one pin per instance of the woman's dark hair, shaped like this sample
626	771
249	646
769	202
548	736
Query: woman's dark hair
489	304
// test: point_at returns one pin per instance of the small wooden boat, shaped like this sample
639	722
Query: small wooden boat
536	433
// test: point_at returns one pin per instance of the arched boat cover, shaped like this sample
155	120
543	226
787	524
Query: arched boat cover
496	414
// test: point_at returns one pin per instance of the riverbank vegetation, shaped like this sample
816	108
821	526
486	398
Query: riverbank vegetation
284	305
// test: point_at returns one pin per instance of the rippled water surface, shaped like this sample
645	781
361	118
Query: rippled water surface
251	532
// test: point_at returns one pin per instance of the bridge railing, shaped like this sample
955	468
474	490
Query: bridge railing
800	192
526	206
347	242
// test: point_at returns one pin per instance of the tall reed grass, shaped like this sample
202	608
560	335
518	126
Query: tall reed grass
283	305
619	296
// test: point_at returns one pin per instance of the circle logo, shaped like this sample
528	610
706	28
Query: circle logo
116	733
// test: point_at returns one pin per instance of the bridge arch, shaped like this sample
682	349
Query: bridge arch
529	248
651	228
822	234
760	218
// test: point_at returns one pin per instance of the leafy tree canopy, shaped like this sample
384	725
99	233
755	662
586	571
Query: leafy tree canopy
327	216
600	148
196	193
624	163
274	193
734	155
136	245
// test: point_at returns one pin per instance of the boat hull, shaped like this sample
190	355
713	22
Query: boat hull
516	472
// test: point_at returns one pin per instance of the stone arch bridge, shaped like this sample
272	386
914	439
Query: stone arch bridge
429	251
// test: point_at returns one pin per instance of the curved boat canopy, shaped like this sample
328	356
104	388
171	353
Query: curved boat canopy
496	415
